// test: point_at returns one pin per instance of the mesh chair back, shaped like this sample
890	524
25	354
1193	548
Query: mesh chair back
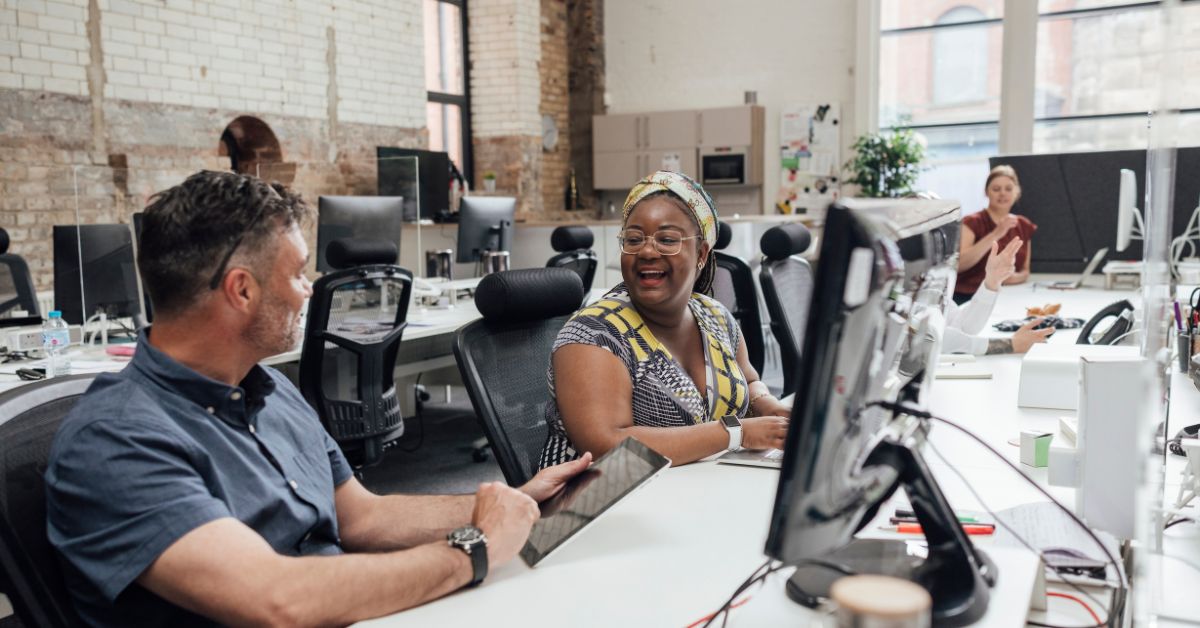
787	286
504	356
356	318
16	286
29	567
733	286
503	366
582	261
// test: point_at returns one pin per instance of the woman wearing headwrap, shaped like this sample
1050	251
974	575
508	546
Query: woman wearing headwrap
657	358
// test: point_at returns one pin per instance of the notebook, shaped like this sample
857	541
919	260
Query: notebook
1087	271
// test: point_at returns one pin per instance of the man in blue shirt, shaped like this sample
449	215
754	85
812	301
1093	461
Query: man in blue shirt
197	487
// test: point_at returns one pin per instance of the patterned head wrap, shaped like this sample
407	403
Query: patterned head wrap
698	202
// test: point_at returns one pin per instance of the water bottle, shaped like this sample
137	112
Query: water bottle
56	337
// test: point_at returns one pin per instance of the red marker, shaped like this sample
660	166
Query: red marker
969	528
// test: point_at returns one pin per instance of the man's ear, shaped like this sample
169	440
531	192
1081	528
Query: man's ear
240	289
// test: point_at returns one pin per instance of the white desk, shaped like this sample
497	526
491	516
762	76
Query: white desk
676	550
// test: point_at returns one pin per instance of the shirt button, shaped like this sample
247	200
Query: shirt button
235	395
292	483
252	430
211	410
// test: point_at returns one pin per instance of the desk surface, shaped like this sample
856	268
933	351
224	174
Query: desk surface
671	553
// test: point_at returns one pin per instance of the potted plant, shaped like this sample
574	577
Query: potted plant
886	165
489	181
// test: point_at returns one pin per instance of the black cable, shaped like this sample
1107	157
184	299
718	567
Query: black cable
1177	522
1123	588
755	576
1041	559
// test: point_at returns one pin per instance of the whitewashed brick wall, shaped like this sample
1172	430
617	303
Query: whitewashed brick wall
266	56
43	45
506	47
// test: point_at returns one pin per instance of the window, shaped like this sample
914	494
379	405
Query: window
939	73
960	57
1098	70
447	113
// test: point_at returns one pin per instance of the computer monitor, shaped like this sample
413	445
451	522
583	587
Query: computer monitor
422	177
485	223
109	282
374	217
872	336
1129	219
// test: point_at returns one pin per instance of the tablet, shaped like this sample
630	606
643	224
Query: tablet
590	494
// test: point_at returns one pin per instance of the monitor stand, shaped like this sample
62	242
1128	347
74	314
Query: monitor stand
956	574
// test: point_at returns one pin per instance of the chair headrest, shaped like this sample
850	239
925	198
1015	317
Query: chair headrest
528	294
351	252
571	238
3	241
724	235
782	241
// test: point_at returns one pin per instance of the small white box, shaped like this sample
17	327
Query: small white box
1050	373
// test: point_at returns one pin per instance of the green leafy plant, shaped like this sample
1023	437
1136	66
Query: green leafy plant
886	165
489	175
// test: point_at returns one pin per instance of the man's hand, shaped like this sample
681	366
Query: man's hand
549	481
764	432
1001	264
1026	336
505	515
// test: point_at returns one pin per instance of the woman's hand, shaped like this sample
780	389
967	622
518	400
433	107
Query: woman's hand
770	406
1006	224
764	432
1001	264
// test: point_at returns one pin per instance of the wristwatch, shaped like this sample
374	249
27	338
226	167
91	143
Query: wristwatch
473	541
733	425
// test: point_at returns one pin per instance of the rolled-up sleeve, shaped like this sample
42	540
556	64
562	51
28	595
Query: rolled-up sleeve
119	493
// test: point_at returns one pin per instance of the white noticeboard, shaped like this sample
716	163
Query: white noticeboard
810	158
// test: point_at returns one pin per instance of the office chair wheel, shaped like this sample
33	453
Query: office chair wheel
479	449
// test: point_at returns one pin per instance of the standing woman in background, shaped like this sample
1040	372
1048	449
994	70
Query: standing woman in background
995	225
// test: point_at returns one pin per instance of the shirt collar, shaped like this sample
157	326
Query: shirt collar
233	404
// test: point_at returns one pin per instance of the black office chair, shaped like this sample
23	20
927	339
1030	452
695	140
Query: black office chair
16	282
29	567
733	286
574	244
787	285
356	317
503	359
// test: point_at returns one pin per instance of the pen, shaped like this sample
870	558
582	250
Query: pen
1178	317
908	514
896	520
913	528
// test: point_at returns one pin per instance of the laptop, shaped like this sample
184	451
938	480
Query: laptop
1091	268
769	458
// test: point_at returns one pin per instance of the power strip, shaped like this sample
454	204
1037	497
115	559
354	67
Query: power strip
23	339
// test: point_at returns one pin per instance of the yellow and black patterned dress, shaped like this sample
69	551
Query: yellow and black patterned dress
663	393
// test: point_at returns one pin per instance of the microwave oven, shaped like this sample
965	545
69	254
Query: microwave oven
724	166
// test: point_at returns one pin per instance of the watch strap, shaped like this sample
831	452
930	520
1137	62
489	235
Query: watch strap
479	562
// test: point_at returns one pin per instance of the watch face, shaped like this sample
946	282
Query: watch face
731	421
467	535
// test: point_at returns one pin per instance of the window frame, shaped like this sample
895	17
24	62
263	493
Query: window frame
467	167
1020	30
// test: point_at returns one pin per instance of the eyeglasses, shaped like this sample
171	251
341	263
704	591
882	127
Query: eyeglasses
665	242
216	278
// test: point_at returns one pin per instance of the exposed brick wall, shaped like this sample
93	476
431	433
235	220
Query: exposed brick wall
122	98
555	103
505	50
585	41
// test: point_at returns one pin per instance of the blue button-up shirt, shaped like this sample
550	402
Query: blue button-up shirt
157	450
